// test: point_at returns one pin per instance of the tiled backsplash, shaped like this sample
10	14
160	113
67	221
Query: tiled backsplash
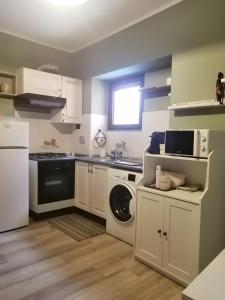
41	130
136	141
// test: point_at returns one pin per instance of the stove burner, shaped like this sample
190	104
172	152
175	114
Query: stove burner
43	155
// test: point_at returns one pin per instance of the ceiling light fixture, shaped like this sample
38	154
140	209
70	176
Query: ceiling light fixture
67	2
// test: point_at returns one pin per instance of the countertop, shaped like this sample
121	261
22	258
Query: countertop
186	196
112	163
210	283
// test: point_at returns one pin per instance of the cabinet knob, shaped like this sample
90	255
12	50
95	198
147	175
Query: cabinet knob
165	234
159	230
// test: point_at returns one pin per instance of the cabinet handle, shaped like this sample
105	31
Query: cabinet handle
88	168
91	169
159	232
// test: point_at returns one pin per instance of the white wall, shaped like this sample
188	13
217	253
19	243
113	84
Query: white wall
136	141
40	130
83	132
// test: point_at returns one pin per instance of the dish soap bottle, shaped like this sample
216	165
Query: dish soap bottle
157	175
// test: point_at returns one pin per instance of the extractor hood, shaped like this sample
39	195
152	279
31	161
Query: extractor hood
34	102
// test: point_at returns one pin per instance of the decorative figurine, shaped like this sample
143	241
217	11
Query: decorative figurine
220	88
100	138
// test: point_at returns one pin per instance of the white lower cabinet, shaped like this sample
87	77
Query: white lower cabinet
82	182
98	190
167	235
149	227
91	188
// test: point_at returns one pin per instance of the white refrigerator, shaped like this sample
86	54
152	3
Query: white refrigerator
14	175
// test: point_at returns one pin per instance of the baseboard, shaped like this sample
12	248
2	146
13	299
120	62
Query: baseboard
64	211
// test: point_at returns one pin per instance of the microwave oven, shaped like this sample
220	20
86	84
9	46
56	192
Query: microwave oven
193	142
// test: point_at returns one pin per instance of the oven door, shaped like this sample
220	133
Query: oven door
55	181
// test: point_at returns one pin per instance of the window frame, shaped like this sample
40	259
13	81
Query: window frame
115	85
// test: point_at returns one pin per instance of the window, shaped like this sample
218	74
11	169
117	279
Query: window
125	103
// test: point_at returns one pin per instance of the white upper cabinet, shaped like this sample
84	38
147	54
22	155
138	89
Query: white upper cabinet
72	111
38	82
48	84
72	91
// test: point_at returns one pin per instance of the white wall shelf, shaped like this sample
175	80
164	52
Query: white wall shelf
155	92
196	105
176	157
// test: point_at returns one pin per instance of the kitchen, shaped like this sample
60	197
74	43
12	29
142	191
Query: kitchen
190	53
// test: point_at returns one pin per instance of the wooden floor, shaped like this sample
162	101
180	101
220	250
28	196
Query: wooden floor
40	262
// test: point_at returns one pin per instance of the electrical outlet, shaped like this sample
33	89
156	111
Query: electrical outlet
81	139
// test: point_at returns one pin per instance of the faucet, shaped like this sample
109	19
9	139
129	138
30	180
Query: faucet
117	153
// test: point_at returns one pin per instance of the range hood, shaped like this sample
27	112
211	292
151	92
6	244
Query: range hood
34	102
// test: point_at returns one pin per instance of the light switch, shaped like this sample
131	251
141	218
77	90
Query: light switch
81	139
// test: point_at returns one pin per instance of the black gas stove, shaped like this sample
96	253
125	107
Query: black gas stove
50	156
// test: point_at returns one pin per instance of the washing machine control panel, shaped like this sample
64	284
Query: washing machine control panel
131	177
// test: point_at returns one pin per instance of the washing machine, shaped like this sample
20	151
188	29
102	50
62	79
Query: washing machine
121	204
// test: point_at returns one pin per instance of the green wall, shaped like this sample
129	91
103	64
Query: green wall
183	30
194	74
157	79
6	107
99	96
16	53
189	24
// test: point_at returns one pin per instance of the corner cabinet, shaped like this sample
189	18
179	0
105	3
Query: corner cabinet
72	111
91	188
167	234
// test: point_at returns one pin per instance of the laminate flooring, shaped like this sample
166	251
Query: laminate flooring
41	262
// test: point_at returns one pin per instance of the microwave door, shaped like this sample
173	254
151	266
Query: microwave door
179	142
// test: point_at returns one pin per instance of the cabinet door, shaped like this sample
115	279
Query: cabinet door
180	245
72	91
82	186
99	190
42	83
149	227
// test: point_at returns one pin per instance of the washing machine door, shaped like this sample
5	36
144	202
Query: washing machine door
122	203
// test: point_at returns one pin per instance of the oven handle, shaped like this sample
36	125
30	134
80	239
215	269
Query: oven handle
53	182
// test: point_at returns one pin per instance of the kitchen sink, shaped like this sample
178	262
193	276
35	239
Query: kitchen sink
127	163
